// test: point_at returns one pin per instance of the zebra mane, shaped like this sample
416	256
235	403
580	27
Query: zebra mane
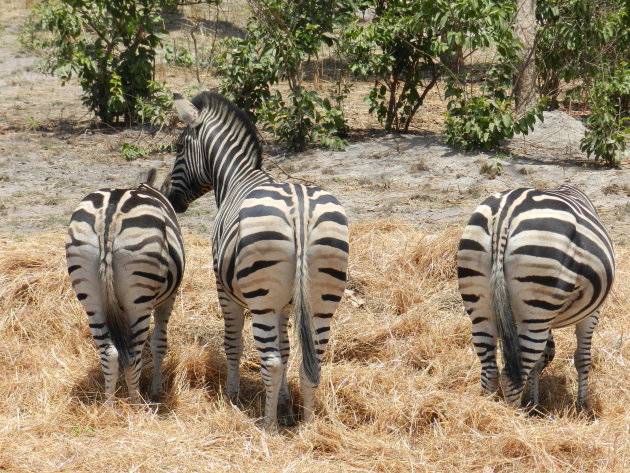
212	101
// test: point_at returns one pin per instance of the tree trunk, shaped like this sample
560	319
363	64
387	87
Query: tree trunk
525	80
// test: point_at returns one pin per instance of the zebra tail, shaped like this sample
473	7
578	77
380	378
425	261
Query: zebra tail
304	316
115	317
505	321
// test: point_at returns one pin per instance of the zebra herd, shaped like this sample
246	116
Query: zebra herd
529	261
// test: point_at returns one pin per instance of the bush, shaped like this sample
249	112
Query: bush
283	37
397	50
586	43
247	73
481	122
610	118
109	45
178	56
410	45
479	117
576	38
131	152
306	117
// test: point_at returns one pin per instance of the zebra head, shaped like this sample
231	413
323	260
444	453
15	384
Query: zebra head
190	178
218	149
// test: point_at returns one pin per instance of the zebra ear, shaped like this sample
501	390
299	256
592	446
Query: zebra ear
165	188
187	112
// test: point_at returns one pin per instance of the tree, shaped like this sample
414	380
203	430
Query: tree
525	91
585	44
400	49
284	36
410	45
110	46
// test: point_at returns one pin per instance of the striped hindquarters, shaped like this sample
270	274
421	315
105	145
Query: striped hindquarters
288	242
125	254
274	225
529	261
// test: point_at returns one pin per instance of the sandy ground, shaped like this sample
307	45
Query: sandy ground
52	154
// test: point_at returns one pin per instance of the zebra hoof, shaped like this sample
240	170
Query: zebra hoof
534	410
156	397
285	415
232	396
269	425
584	409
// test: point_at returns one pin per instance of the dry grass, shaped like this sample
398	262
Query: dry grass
400	389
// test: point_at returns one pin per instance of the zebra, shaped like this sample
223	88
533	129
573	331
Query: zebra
530	261
125	259
273	243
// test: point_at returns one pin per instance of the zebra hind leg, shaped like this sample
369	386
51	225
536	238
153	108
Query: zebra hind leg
323	310
233	318
159	345
266	338
139	334
533	344
582	357
84	279
107	351
484	337
544	361
285	404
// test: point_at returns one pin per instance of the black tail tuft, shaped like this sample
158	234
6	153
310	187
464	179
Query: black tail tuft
115	317
309	358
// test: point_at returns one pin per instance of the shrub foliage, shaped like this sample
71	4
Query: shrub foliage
585	43
284	36
110	46
406	48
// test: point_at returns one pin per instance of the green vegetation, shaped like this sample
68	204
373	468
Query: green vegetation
404	48
178	56
284	36
609	121
110	46
585	43
131	152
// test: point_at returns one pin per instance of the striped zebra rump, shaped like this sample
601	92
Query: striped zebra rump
530	261
126	258
291	246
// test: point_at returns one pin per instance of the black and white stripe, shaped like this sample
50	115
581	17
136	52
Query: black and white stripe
530	261
273	243
126	259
